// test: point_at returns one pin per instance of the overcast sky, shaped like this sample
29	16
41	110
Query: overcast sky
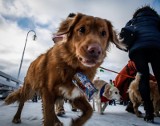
17	17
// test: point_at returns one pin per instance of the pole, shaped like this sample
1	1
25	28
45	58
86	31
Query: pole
24	51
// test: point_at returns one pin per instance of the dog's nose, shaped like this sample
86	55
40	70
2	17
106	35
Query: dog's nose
94	50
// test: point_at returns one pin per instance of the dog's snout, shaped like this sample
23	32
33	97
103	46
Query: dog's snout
94	50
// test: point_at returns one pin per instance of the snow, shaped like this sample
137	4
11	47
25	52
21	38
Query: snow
113	116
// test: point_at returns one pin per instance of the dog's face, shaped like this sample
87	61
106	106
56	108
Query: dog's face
92	36
112	92
86	37
115	93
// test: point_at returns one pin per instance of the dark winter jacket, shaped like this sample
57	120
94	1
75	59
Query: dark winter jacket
146	25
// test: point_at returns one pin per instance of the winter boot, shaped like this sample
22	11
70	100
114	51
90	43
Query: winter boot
148	107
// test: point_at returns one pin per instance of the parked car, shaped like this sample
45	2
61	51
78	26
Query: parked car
4	93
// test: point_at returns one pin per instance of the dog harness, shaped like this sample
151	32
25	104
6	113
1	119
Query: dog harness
103	99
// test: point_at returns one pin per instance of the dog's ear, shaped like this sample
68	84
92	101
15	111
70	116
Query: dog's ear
113	37
66	27
58	38
107	92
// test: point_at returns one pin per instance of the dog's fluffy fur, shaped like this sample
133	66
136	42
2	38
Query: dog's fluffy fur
110	93
81	43
136	98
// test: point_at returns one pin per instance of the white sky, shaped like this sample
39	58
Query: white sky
17	17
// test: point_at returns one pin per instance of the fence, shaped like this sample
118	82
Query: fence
7	80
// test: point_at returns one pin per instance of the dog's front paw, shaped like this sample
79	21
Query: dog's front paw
60	112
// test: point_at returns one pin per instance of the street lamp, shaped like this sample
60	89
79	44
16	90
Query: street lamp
34	38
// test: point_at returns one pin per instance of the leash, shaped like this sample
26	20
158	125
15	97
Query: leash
117	72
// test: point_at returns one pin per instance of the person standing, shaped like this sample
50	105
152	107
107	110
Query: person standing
142	38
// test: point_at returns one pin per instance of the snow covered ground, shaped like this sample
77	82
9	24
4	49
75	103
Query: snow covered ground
113	116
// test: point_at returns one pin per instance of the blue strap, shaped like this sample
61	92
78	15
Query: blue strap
102	90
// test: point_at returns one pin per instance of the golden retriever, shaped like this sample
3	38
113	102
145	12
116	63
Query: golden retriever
81	43
106	92
136	98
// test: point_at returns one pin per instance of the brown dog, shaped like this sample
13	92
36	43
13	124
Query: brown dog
106	92
81	45
136	99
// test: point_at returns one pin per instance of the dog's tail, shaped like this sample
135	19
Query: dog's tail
21	95
13	97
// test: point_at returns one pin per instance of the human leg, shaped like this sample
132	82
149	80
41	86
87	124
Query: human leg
155	63
141	62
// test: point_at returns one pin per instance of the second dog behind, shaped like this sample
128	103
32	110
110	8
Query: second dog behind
136	98
106	92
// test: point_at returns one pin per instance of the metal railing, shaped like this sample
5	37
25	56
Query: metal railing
9	81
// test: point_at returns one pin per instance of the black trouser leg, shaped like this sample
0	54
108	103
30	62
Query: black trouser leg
141	61
141	64
155	63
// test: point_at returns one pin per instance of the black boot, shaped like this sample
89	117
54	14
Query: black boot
148	107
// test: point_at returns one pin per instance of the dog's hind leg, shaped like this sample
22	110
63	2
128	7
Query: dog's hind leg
82	104
135	106
156	108
17	117
21	95
24	97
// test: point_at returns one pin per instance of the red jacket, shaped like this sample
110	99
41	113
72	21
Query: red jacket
122	82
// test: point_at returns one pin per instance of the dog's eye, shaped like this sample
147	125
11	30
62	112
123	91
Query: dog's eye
103	33
116	92
82	29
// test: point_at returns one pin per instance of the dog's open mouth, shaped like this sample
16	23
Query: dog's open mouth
88	62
